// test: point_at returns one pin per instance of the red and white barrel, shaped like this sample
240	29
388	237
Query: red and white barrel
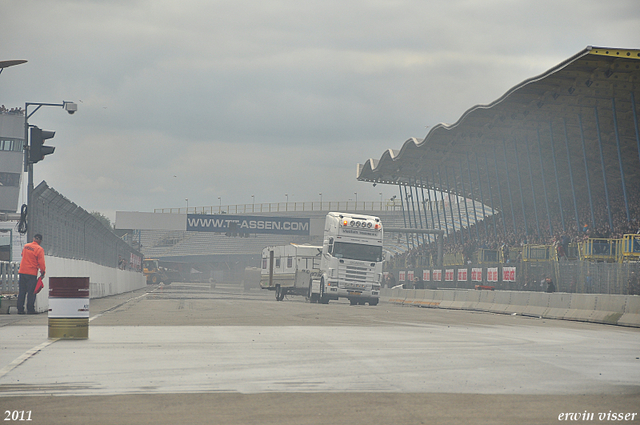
69	307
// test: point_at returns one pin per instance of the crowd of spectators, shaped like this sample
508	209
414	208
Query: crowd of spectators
12	111
483	235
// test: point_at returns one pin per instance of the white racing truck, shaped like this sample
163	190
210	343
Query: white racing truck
347	265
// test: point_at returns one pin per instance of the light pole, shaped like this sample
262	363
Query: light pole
71	108
356	193
220	207
320	200
187	200
253	203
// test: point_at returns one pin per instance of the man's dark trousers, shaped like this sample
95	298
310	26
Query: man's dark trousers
27	286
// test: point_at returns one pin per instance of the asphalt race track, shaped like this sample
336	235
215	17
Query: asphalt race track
189	353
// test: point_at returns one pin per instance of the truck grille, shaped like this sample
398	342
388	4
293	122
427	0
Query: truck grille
354	276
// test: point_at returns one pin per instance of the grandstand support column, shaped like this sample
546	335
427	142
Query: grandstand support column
424	206
524	212
506	169
444	210
544	183
473	196
417	200
413	206
484	213
586	169
533	191
433	221
453	221
495	158
455	182
555	169
493	215
604	171
433	177
404	217
464	193
624	185
573	188
635	122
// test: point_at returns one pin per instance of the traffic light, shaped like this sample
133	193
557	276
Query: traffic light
37	150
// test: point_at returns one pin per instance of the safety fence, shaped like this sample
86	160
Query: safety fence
9	277
598	308
626	249
568	276
71	232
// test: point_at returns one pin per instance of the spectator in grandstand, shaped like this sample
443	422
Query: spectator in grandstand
390	280
550	286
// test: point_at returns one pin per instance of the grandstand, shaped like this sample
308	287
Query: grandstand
558	153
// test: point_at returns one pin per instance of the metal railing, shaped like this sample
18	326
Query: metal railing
280	207
9	277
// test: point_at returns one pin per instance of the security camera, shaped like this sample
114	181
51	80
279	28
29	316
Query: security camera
70	107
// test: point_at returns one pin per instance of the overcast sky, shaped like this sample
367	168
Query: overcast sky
205	99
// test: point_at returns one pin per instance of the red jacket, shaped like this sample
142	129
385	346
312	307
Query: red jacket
32	259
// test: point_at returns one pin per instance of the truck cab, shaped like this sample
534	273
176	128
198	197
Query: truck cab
352	258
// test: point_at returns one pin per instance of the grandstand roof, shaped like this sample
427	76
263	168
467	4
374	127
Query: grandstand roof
571	113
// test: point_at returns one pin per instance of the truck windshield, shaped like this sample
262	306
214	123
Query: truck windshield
353	251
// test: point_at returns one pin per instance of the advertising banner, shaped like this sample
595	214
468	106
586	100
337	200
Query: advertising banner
426	275
492	274
448	275
247	224
462	275
476	274
508	274
401	276
437	275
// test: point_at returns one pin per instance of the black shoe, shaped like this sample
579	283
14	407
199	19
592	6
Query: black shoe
21	312
32	312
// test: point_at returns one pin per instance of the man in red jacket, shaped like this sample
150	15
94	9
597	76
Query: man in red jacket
32	261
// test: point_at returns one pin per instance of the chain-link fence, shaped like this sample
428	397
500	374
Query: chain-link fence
585	277
71	232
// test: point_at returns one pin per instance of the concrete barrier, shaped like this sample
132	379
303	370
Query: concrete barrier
448	298
459	299
598	308
398	296
501	301
486	300
609	308
631	315
582	307
471	300
538	304
518	302
559	304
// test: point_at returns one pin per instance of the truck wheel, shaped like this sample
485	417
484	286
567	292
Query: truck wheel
323	298
373	301
353	301
279	293
155	279
313	298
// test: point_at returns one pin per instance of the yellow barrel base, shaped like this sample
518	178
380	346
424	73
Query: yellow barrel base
69	328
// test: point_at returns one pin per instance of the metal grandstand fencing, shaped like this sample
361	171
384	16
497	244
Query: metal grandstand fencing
284	207
71	232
